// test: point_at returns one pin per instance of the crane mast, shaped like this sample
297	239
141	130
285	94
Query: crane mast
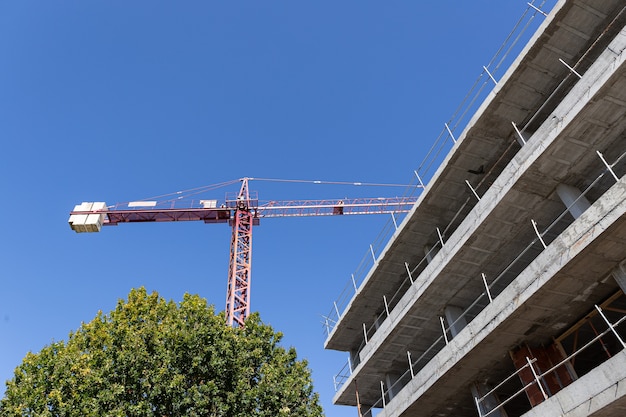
242	211
238	293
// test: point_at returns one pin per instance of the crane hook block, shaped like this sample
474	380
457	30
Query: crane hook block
87	217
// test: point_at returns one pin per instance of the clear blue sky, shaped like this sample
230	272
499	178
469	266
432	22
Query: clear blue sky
118	101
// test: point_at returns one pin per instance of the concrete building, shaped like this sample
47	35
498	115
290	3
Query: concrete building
502	292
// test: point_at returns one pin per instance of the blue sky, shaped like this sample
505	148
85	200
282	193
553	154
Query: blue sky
118	101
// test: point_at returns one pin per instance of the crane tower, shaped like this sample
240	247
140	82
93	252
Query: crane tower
242	211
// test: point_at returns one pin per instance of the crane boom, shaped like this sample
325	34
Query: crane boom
242	212
122	213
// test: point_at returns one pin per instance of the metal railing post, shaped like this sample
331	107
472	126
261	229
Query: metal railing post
419	179
490	76
518	133
487	287
406	264
443	328
537	232
611	327
607	165
572	70
532	368
538	9
450	132
477	401
472	188
382	391
440	237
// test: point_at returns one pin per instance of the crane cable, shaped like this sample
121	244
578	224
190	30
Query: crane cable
179	195
368	184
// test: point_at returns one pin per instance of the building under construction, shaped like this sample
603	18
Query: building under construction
502	291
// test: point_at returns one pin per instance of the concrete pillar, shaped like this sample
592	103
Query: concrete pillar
573	199
491	402
379	320
355	359
455	321
430	253
392	388
619	274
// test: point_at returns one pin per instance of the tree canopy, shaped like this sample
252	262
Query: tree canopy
152	357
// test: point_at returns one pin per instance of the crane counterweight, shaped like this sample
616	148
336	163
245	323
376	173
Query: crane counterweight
88	217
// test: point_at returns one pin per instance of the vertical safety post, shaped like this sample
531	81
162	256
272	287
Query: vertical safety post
611	327
487	288
443	328
607	165
406	265
537	232
473	191
490	76
572	70
440	237
532	368
382	391
419	179
519	134
450	132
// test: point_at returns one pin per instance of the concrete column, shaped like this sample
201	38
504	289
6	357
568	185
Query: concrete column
355	359
430	253
392	388
619	274
380	319
479	389
573	199
453	314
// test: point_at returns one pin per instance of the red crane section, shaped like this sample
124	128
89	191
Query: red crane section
242	212
240	266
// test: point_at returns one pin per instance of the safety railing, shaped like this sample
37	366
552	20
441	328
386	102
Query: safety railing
607	176
538	377
441	147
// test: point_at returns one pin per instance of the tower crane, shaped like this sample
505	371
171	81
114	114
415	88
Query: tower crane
242	211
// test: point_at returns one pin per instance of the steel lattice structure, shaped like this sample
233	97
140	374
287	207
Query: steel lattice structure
242	212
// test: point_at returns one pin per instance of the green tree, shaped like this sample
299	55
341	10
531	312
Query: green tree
151	357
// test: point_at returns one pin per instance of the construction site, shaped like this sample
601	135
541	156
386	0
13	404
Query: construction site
501	293
499	290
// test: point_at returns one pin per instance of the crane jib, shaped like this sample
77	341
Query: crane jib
89	217
167	215
241	212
